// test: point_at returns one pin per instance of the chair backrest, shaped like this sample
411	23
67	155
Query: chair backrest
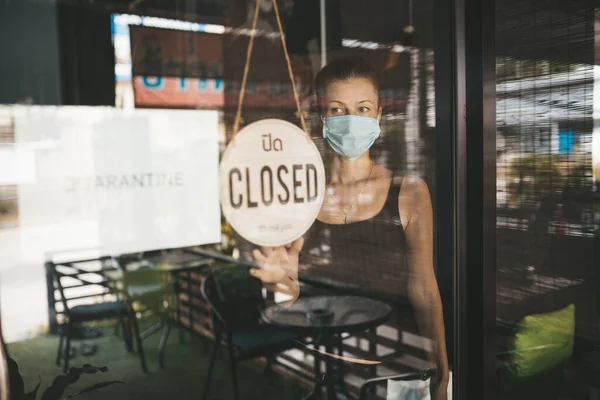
235	297
148	285
51	271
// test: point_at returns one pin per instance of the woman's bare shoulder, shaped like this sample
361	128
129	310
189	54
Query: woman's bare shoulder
414	195
413	186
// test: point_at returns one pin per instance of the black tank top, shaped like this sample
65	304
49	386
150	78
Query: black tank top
370	254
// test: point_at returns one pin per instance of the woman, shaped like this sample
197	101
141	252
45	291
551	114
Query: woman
361	194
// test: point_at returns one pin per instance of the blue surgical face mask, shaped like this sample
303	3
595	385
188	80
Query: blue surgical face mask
350	135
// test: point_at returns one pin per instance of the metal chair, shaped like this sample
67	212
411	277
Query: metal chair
118	310
236	302
370	385
153	290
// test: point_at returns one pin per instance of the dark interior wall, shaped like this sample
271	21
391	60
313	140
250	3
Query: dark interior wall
29	61
552	30
86	56
212	11
55	54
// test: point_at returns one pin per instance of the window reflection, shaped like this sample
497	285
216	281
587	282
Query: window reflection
546	201
82	189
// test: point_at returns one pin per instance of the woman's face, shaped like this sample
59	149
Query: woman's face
354	96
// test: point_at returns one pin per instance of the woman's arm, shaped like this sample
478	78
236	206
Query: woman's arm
416	215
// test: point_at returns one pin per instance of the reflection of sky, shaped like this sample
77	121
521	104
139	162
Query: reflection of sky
118	27
121	43
551	104
551	98
537	109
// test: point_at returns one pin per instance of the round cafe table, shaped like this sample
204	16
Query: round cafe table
325	319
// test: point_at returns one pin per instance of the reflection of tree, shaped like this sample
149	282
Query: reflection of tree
533	177
577	196
546	182
228	239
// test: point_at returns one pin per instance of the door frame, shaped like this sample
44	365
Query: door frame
465	86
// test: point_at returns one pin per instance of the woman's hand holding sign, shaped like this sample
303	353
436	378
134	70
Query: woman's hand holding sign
272	188
279	267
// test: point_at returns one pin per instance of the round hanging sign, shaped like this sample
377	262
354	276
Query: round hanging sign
272	182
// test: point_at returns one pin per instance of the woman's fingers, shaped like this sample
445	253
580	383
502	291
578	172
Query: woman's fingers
277	262
267	251
267	275
257	273
261	274
258	256
296	246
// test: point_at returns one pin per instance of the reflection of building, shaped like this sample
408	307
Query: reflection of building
545	93
538	109
544	115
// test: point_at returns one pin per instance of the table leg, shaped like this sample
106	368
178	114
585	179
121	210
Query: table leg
333	378
340	372
318	383
190	301
329	370
373	350
152	330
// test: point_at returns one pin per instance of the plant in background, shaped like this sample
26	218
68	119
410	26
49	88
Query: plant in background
228	235
59	385
534	177
578	194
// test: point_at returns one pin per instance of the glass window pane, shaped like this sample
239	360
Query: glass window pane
117	251
547	313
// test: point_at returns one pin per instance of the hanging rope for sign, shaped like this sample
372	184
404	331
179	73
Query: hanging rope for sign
238	115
